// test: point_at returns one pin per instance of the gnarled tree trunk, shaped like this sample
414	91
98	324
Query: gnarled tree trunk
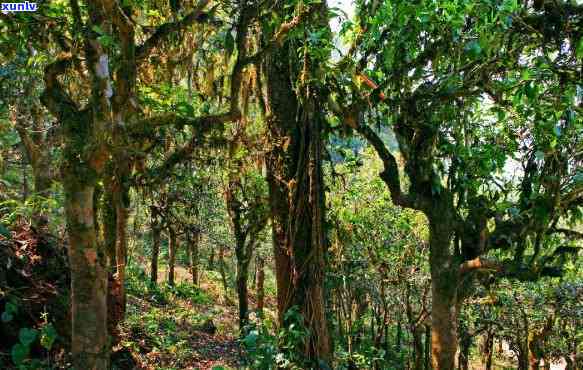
296	189
294	175
89	342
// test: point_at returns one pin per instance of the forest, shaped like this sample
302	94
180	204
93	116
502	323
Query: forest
291	184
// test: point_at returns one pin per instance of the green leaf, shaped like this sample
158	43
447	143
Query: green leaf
27	336
97	30
473	48
5	232
579	51
106	40
7	317
48	336
19	353
250	340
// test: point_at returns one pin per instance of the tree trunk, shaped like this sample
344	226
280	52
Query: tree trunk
194	251
427	356
223	273
488	349
89	342
464	353
155	254
523	342
211	260
444	280
523	361
570	364
242	290
260	286
533	359
417	348
294	175
399	336
25	187
171	255
121	242
109	222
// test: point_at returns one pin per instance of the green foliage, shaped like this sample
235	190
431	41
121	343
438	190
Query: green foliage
29	337
48	335
10	309
190	292
266	350
11	210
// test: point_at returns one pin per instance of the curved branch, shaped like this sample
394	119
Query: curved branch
164	31
509	269
390	174
54	97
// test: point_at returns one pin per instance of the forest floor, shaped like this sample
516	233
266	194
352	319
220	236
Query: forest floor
180	328
186	327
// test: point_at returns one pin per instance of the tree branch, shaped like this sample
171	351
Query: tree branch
390	174
164	31
479	263
509	269
202	124
54	97
277	40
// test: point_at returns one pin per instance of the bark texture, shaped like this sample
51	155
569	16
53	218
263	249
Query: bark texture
294	175
444	315
89	343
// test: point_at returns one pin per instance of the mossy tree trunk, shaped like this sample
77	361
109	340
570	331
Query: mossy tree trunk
89	343
91	137
294	174
84	156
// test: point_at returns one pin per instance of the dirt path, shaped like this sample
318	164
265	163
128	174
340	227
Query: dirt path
169	329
